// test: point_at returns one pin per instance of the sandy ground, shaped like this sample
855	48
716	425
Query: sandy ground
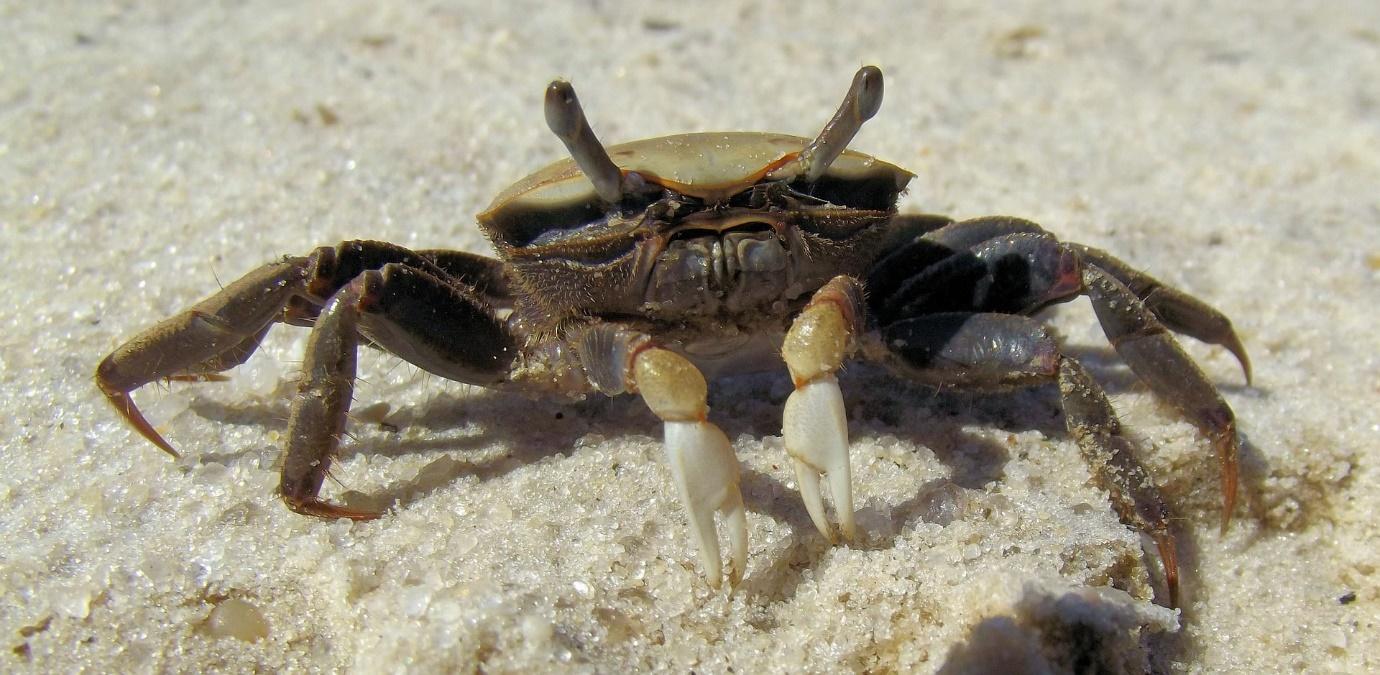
147	155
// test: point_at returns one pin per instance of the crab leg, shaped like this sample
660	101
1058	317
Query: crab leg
1000	351
1157	360
814	425
1179	311
1094	424
702	462
944	252
320	408
1009	273
925	240
427	320
222	331
213	335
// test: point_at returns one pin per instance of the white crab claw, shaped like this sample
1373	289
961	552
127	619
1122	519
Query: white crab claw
706	473
816	433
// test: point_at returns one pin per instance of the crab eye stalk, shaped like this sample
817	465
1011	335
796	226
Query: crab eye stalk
567	120
862	102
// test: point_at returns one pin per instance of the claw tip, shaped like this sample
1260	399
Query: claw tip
1169	558
125	406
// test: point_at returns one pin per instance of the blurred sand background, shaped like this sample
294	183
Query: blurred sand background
149	151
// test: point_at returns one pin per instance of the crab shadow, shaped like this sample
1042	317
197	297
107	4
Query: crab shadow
525	431
485	435
880	404
1048	630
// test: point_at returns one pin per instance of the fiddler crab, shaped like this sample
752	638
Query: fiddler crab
649	266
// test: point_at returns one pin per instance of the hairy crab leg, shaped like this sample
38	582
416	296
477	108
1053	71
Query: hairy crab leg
215	334
223	330
1000	351
429	321
1155	358
320	408
814	424
1094	424
702	462
1179	311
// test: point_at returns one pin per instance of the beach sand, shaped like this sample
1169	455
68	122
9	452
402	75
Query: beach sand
149	154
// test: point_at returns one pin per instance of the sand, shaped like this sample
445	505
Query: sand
149	154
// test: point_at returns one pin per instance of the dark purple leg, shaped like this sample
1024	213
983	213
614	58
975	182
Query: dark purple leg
437	325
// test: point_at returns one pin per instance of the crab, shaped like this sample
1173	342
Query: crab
652	266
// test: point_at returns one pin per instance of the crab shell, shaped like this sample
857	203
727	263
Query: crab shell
711	166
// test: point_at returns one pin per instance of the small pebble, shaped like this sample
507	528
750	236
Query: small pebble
237	619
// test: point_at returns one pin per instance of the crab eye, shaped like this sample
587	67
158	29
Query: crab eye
863	100
567	120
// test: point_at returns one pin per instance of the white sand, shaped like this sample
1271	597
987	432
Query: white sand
145	154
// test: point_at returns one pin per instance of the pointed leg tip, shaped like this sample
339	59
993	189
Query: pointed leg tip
1238	350
735	522
807	479
1169	559
124	404
1228	502
711	565
841	487
329	511
1228	454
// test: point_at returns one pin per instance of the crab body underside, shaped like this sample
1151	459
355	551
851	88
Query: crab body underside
642	267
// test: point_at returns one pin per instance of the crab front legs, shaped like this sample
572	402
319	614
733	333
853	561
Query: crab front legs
702	462
814	425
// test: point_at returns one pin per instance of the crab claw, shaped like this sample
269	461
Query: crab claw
702	460
816	433
706	474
